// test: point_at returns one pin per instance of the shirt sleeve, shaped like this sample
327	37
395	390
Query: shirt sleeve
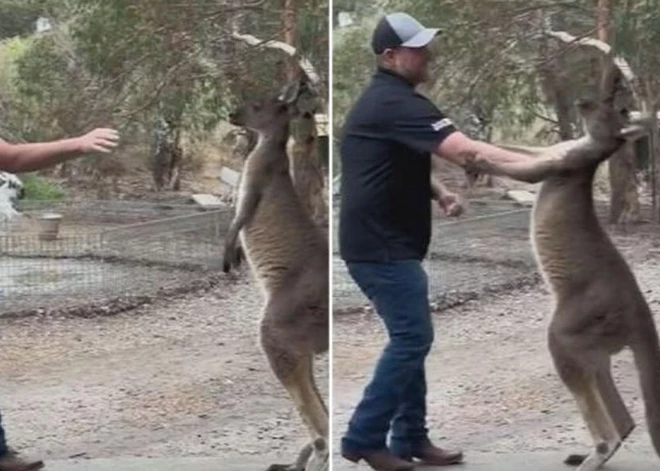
420	125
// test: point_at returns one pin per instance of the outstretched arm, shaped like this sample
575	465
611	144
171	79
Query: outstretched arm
17	158
527	164
532	171
461	150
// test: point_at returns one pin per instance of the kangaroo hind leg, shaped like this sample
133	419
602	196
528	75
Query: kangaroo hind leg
613	401
598	401
292	363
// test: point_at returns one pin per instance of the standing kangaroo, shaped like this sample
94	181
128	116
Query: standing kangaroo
599	308
288	255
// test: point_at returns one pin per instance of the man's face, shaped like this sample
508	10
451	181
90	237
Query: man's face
412	63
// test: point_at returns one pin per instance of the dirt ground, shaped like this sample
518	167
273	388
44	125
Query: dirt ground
491	384
182	378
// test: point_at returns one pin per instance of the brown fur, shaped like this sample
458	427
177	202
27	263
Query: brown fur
599	308
288	255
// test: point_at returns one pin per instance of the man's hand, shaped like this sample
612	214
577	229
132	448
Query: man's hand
451	204
99	140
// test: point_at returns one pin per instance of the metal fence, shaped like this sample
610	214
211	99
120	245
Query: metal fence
486	250
105	251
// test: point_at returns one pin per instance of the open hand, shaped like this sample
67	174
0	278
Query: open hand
99	140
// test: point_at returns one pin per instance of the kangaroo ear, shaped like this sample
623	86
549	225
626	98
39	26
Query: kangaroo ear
289	93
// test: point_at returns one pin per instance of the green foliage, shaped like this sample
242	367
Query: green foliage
353	65
494	61
122	63
18	17
36	188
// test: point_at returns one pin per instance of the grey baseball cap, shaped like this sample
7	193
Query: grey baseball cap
401	30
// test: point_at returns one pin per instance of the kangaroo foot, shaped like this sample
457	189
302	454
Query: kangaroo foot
603	452
319	461
314	456
575	459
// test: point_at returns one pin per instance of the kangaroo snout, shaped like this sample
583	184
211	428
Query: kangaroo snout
235	118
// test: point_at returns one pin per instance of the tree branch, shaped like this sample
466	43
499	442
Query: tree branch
303	62
546	119
606	49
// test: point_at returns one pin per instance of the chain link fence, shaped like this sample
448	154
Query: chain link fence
486	250
105	251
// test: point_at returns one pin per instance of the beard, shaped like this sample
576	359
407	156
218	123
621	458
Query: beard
416	75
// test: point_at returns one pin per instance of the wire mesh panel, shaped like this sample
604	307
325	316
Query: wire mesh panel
487	250
105	250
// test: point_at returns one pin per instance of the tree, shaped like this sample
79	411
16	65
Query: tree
137	65
524	64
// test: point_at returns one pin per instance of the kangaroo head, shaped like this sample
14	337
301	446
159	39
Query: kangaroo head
268	114
604	122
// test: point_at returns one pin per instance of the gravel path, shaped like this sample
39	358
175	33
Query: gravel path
492	387
180	378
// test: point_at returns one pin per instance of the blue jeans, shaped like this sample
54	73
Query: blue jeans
395	400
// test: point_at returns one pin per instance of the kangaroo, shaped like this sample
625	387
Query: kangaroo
288	255
599	308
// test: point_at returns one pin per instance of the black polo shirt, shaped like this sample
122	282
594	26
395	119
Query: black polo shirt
385	152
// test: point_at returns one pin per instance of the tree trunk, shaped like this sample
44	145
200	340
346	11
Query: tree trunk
290	35
167	154
624	199
306	170
624	203
305	165
555	90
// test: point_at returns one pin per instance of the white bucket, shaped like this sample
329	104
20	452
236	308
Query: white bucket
49	225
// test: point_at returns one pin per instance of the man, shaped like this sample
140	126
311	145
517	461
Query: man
389	140
27	158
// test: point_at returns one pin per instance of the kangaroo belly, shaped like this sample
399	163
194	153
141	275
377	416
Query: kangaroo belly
280	240
570	246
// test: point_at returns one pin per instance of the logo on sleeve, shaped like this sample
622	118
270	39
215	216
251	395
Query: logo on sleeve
443	123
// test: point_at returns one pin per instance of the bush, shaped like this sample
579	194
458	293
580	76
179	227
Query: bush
37	188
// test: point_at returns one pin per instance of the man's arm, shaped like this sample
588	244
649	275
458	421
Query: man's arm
17	158
438	189
460	150
450	202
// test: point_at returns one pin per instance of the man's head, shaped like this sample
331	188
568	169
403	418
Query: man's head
400	42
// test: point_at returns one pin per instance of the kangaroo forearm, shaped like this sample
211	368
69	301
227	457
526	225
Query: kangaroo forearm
529	172
36	156
527	150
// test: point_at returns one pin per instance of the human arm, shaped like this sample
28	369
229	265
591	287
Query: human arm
421	126
16	158
462	150
450	202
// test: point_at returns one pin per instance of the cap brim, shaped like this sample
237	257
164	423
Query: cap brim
423	38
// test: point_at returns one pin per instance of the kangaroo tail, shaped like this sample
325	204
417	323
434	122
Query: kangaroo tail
646	353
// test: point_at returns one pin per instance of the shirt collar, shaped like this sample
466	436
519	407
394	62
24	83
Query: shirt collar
392	77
